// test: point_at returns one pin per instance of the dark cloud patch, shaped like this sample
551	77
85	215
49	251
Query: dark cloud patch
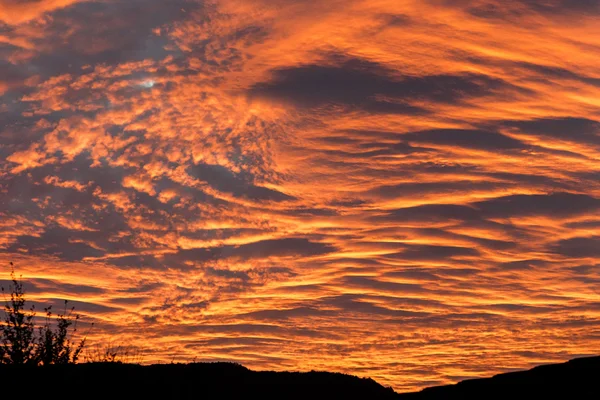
371	87
378	149
130	301
38	197
182	192
555	204
21	193
194	306
593	175
531	180
433	213
280	248
557	73
487	243
18	131
142	287
29	285
67	288
366	135
458	272
520	265
416	273
223	52
503	228
518	308
353	304
433	253
459	320
446	168
366	282
288	247
586	269
165	215
488	10
63	243
235	341
586	225
239	185
579	130
227	274
468	138
250	328
298	312
428	188
81	306
368	150
348	203
143	261
107	33
225	233
562	6
399	20
10	74
312	212
579	247
544	73
22	190
492	9
103	175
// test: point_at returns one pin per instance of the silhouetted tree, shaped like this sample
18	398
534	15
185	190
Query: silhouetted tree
19	343
55	346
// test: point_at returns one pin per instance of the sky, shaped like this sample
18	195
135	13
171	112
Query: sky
400	189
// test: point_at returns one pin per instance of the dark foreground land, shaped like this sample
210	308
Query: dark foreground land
573	380
219	381
576	379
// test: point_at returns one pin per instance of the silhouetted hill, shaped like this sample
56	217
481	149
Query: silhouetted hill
183	381
575	379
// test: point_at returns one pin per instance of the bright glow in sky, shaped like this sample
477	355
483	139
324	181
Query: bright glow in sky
147	84
406	190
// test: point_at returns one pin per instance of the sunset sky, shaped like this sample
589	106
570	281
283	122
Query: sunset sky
400	189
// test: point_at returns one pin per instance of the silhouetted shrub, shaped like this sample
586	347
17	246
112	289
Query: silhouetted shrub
19	343
113	353
54	346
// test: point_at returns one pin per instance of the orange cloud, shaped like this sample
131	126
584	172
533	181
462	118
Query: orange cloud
14	12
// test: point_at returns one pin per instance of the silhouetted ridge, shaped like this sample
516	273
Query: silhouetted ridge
575	379
185	381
